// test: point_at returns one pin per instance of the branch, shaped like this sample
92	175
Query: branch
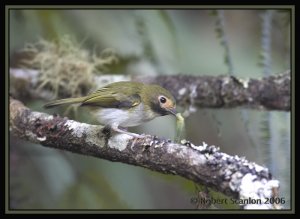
233	176
269	93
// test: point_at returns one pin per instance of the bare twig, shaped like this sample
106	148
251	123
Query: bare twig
231	175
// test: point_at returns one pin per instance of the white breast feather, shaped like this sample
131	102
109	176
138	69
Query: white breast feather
123	118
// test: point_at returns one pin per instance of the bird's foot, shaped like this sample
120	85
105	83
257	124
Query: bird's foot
134	135
124	131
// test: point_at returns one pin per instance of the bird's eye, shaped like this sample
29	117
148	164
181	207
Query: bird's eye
162	99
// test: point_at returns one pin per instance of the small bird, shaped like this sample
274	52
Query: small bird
125	104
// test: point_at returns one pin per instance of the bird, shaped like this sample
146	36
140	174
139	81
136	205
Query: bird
124	104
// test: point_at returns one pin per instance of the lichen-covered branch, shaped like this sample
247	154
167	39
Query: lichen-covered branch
231	175
270	93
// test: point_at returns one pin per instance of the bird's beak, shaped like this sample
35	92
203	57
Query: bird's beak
172	111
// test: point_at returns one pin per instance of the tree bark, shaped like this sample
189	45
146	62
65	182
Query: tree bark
234	176
269	93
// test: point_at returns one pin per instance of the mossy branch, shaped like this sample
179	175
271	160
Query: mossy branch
234	176
268	93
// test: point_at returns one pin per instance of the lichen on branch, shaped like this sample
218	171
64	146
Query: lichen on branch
234	176
64	66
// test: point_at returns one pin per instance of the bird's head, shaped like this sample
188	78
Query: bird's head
159	100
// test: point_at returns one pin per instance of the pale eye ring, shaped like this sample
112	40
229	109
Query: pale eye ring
162	99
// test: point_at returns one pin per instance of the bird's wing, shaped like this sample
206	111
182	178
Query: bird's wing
107	99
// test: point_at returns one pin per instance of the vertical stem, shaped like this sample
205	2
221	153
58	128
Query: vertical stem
266	41
220	28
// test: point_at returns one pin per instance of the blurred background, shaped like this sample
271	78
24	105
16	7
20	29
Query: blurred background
244	43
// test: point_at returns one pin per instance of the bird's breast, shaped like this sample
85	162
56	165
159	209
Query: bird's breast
123	117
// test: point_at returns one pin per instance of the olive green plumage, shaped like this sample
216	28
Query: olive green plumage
115	95
125	103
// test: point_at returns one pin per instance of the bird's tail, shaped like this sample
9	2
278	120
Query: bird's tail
55	103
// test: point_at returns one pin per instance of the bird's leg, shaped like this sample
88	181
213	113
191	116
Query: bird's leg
117	129
123	128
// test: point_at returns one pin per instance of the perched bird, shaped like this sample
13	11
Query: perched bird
125	104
